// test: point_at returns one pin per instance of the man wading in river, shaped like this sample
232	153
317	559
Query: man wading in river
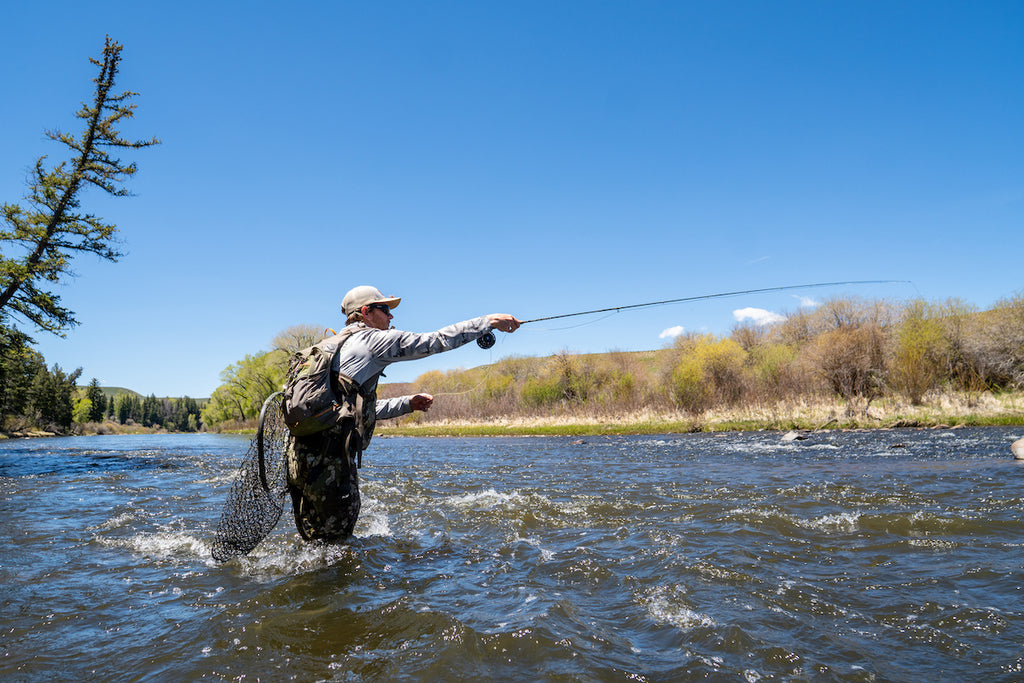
322	466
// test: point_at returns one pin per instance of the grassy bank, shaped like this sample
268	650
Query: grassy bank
946	411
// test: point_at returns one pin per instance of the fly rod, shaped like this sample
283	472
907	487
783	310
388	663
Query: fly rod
487	341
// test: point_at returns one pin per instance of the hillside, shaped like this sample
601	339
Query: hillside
111	392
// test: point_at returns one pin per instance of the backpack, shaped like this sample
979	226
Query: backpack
310	402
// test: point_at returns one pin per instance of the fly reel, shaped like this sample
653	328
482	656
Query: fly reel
486	340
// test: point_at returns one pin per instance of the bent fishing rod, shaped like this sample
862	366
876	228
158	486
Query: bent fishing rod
488	340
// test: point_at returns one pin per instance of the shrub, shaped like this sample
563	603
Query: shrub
920	352
851	359
997	344
690	388
707	371
774	369
541	392
498	386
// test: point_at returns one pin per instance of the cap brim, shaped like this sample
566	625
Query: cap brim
391	302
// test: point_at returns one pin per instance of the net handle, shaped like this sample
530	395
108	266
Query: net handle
272	399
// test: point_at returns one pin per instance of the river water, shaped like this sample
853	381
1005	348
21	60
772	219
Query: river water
849	556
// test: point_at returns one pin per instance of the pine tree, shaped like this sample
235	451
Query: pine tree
19	364
51	397
52	229
151	411
97	399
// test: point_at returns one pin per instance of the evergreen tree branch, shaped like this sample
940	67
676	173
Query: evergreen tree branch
51	231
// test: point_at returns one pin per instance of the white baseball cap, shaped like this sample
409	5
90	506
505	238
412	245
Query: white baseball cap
364	295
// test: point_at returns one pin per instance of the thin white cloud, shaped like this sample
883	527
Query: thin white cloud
671	332
805	301
758	315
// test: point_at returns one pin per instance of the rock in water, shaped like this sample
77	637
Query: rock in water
1018	449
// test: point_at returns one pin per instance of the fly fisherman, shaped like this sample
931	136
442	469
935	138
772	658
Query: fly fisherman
322	466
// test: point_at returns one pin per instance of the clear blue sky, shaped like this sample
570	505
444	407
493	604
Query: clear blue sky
536	158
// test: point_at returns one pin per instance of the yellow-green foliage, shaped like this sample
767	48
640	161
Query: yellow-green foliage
497	386
80	413
920	352
449	383
539	392
560	380
689	387
772	364
623	387
246	384
708	370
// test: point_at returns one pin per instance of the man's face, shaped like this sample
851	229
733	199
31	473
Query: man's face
377	315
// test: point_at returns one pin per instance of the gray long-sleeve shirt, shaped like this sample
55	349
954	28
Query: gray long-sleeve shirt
369	351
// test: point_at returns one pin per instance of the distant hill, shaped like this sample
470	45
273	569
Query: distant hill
111	392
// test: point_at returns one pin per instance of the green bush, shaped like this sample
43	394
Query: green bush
541	392
707	371
920	353
774	369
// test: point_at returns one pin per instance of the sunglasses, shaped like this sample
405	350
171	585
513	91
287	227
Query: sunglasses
383	308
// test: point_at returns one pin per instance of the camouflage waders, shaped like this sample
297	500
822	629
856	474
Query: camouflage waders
323	468
324	484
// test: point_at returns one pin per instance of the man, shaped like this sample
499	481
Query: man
322	467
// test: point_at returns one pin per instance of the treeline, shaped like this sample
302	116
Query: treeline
36	397
847	348
33	396
172	414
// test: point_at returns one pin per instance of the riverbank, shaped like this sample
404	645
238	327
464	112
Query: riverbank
86	429
946	411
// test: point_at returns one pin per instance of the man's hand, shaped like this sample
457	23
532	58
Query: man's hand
421	402
504	322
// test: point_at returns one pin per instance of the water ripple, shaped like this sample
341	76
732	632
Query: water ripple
682	557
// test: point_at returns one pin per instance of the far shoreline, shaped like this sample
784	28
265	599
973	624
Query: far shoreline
466	429
945	411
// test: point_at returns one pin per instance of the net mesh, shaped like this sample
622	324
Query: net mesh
257	495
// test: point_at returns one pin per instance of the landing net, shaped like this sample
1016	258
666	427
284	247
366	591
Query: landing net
257	495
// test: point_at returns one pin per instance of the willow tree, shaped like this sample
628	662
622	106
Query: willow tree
37	243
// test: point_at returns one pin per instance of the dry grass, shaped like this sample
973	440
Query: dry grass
945	410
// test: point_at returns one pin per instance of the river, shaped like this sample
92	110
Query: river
848	556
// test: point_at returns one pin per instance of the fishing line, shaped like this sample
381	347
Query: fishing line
483	380
721	295
573	327
488	340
